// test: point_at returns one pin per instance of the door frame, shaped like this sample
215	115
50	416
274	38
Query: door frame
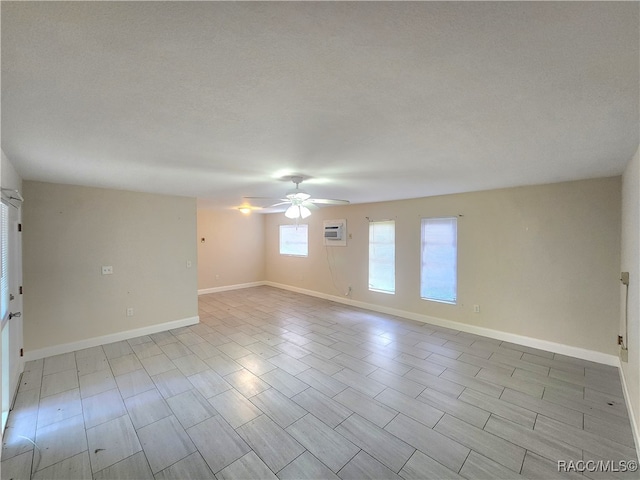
11	328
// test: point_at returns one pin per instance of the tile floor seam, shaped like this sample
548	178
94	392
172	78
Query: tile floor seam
87	440
465	461
168	466
293	460
486	432
347	463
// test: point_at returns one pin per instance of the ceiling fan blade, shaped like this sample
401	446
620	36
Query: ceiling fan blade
328	201
310	205
266	198
267	202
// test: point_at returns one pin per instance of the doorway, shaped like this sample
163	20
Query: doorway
10	299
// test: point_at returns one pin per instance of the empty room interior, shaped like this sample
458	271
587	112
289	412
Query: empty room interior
320	240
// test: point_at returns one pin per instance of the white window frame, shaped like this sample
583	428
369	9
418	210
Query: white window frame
380	257
288	234
430	249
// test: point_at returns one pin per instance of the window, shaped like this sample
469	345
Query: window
294	240
382	256
439	259
4	267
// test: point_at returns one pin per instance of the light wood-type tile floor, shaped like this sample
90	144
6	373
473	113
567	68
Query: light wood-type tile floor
274	384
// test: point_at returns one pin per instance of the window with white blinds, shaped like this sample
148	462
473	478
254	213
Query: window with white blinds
294	240
4	267
382	256
439	260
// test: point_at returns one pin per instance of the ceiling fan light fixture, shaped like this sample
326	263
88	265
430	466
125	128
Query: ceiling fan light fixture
298	201
292	212
304	211
297	211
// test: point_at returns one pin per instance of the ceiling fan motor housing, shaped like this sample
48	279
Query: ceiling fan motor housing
297	196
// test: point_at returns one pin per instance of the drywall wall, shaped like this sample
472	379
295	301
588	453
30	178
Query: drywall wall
230	248
540	261
70	232
630	262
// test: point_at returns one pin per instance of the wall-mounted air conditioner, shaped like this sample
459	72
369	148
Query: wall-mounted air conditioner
335	233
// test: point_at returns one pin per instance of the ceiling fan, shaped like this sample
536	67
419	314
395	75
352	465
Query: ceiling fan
300	201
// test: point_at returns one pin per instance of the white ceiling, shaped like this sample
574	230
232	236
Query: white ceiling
375	101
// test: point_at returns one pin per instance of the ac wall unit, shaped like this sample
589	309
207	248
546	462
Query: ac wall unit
335	234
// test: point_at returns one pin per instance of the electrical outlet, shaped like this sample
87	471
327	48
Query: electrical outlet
188	263
129	312
476	308
620	341
624	278
107	270
624	355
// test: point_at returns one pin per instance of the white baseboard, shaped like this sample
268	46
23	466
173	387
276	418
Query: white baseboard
632	417
226	288
560	348
110	338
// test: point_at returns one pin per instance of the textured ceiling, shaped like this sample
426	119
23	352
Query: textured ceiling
374	101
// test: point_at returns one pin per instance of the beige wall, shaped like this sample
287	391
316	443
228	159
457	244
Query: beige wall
71	231
232	252
630	262
541	261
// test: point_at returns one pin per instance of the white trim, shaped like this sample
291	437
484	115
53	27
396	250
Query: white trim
225	288
560	348
110	338
627	399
